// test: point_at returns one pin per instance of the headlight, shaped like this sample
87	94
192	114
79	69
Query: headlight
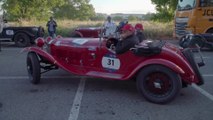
40	42
35	29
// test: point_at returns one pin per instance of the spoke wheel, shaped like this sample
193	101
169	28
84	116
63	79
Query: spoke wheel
33	68
22	40
158	84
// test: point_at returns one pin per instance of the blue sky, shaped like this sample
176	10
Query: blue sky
123	6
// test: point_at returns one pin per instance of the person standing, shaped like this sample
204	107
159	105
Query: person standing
109	27
51	24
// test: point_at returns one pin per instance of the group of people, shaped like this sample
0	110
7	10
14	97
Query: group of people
129	35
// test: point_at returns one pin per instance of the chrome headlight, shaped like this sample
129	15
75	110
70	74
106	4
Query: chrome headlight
35	29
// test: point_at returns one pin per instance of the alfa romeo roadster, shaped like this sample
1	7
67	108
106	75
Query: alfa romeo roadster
160	69
89	32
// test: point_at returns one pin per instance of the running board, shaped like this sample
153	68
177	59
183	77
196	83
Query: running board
105	75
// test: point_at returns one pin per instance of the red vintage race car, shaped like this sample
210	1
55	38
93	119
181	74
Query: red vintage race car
161	69
86	32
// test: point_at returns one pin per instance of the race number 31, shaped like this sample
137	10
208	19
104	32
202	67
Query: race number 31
111	63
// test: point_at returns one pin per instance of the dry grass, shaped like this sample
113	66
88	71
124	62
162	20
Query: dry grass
153	30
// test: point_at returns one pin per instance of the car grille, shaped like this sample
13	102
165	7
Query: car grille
180	29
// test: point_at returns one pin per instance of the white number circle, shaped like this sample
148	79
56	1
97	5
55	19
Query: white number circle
111	63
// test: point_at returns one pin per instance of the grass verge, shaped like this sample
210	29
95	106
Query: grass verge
152	30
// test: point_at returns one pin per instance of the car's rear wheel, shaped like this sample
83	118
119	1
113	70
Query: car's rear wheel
158	84
22	40
33	68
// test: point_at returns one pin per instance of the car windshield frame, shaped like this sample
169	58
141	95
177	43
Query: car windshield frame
186	4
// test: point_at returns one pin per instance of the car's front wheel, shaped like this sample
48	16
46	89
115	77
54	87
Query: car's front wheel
33	68
158	84
22	40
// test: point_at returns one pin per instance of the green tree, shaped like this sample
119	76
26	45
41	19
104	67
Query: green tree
165	10
76	10
117	18
29	9
148	16
132	18
43	9
99	17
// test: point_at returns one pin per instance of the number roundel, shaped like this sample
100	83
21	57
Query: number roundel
110	63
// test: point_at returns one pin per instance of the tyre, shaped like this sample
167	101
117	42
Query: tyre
158	84
22	40
33	68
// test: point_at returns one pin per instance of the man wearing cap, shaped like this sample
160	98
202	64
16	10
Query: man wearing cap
128	39
139	32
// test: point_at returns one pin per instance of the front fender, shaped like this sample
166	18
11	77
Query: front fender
26	32
32	36
46	55
40	52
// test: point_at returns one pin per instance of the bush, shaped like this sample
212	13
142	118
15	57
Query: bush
152	30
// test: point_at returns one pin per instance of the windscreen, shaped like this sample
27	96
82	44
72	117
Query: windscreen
186	4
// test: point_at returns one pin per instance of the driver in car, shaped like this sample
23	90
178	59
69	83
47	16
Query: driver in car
128	39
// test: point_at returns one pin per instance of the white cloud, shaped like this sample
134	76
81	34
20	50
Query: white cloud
123	6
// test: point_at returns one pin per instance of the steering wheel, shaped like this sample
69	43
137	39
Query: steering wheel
111	42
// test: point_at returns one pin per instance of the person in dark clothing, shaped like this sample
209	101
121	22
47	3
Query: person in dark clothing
51	24
128	39
139	32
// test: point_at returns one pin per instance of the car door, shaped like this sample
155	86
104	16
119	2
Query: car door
122	64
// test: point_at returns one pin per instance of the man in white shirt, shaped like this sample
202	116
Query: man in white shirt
109	27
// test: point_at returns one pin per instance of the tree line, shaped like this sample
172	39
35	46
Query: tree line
75	10
43	9
165	10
